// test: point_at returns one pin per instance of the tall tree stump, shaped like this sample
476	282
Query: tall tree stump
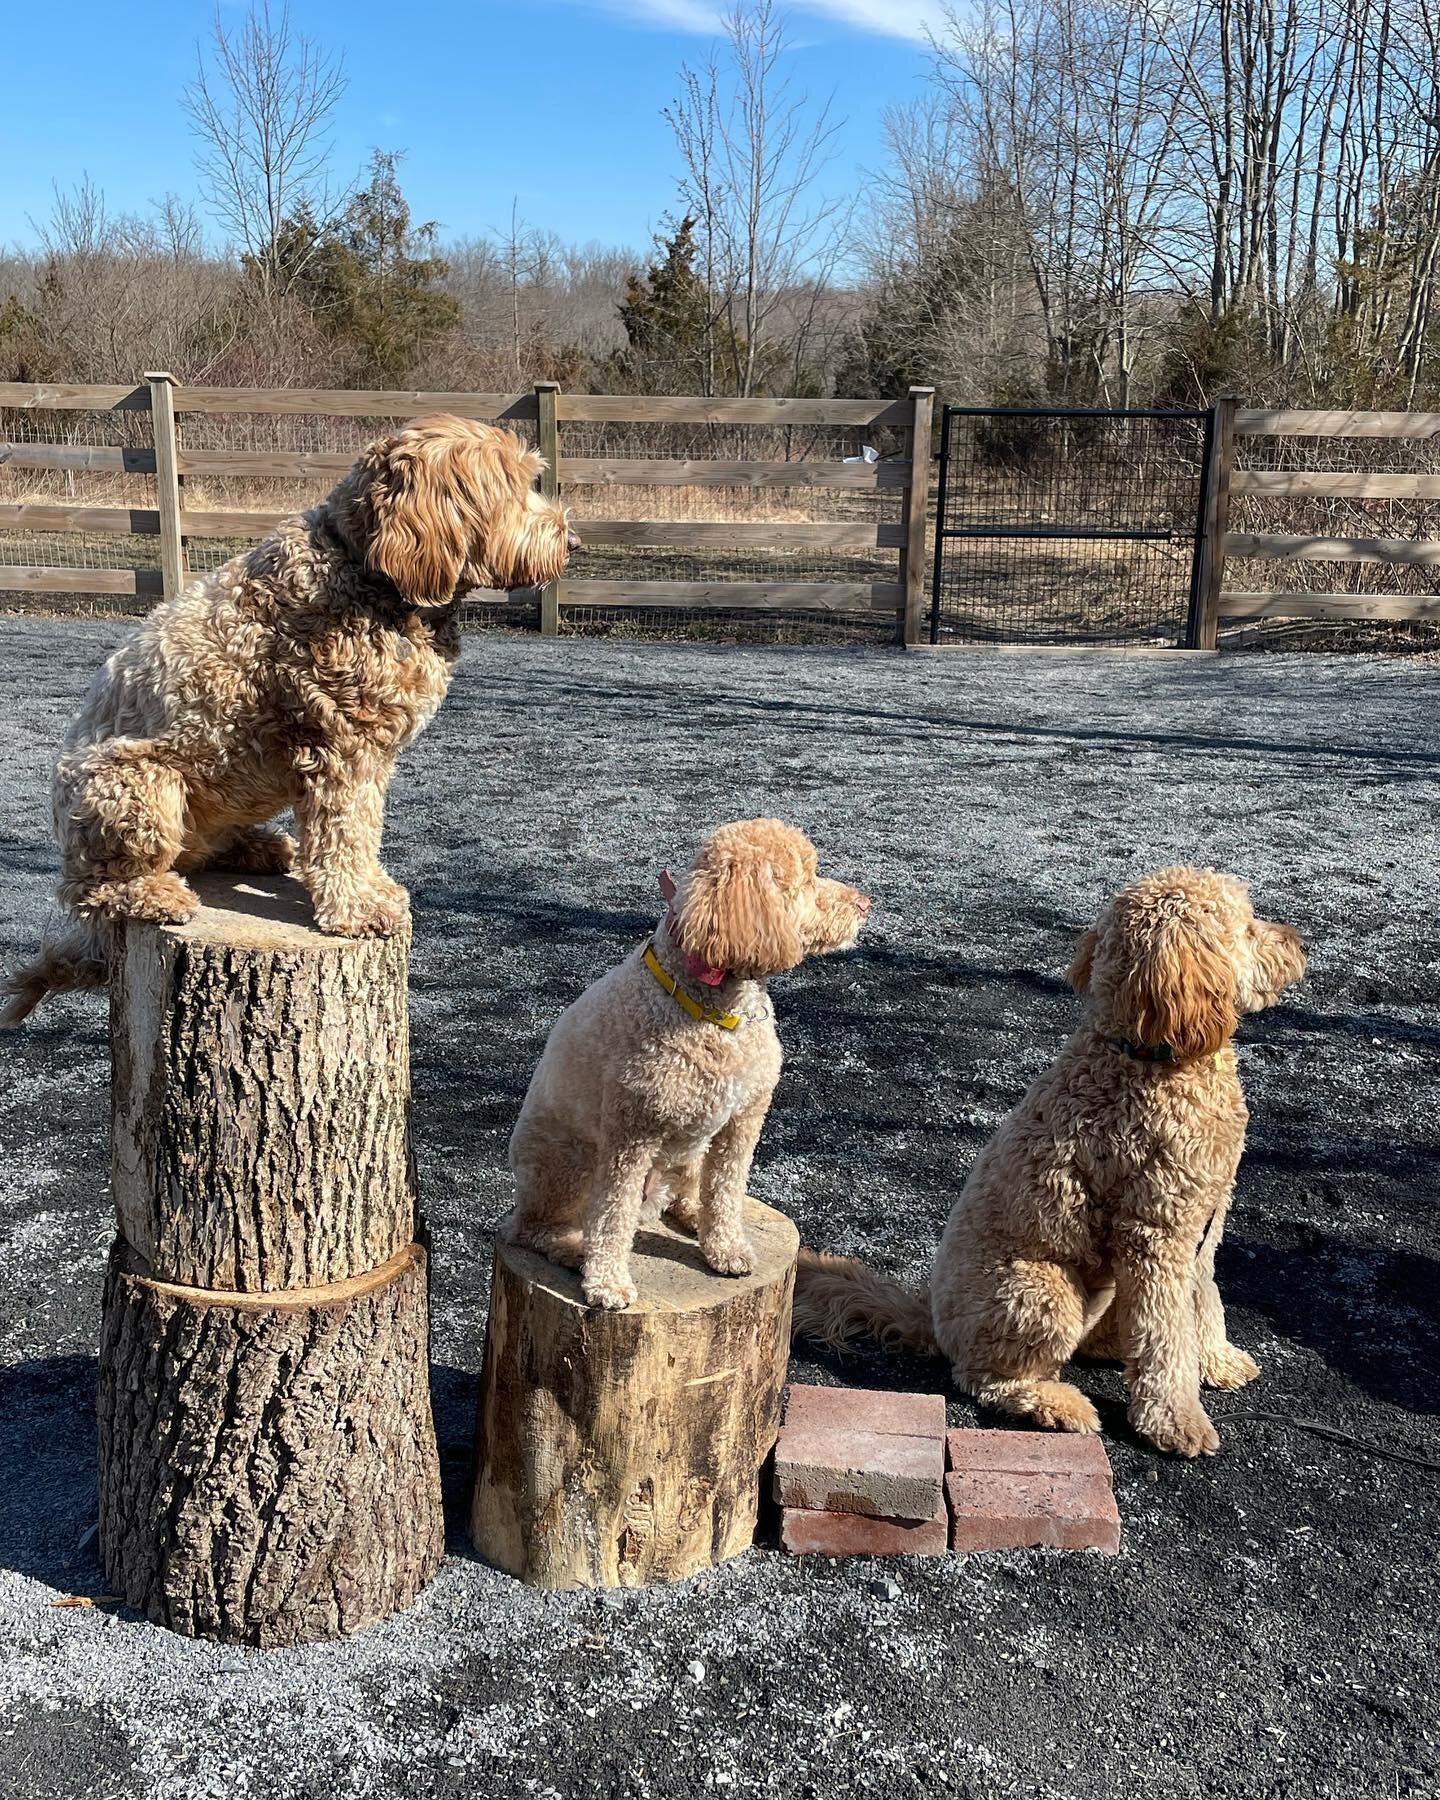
268	1470
619	1448
268	1467
261	1089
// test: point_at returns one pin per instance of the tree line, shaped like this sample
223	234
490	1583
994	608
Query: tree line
1090	201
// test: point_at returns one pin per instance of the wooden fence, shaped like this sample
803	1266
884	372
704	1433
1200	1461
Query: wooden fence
1236	425
171	462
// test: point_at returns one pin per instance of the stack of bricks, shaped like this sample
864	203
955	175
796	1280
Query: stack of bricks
1026	1490
865	1474
862	1474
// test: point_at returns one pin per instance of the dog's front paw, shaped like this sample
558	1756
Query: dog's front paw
731	1256
375	912
160	899
1182	1430
613	1296
1227	1367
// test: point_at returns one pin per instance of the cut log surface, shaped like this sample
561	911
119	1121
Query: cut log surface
261	1093
619	1448
268	1468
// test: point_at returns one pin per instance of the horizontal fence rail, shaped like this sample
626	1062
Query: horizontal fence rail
185	462
1364	487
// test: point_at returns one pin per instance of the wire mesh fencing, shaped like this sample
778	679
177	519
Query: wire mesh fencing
1068	527
1404	520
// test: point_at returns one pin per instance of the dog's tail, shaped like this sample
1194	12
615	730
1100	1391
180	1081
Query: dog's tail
838	1299
76	955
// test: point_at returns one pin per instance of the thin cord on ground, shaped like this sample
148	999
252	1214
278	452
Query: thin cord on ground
1335	1434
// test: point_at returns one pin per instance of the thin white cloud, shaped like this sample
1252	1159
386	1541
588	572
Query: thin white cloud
887	18
674	15
907	19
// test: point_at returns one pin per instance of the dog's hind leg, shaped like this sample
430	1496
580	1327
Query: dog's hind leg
552	1185
251	849
120	812
1020	1340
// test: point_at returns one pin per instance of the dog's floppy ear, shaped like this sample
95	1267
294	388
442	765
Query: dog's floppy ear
1078	974
418	534
1177	987
735	915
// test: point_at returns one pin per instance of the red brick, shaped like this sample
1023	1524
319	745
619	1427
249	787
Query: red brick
865	1409
874	1472
804	1532
1027	1452
994	1510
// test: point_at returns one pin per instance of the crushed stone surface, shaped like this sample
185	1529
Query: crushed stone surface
1269	1628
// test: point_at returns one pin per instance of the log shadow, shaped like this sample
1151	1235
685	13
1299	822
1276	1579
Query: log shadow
453	1395
47	1472
48	1464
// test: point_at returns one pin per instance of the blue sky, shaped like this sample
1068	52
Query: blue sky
552	103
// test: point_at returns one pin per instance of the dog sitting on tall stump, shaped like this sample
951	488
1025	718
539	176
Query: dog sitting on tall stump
268	1466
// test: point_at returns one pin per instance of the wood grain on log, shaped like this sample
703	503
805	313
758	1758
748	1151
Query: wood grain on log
261	1089
268	1468
618	1448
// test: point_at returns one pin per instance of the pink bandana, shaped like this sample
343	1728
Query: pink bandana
696	966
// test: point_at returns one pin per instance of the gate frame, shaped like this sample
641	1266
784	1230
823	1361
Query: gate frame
1199	634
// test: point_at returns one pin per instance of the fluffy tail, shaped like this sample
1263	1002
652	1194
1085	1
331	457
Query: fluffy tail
76	956
838	1299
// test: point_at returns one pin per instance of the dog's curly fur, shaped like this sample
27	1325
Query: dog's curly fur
1091	1219
292	676
638	1108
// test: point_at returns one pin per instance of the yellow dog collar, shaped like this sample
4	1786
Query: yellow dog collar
711	1015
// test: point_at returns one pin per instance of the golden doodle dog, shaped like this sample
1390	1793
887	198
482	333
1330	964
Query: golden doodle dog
292	676
1091	1219
652	1088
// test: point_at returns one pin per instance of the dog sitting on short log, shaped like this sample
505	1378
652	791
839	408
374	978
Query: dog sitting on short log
1090	1221
292	676
654	1085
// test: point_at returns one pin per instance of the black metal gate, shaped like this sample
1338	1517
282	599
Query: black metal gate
1069	525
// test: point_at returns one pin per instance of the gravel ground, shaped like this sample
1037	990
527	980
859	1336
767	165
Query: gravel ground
1269	1628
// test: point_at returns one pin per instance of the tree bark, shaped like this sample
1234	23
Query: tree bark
619	1448
261	1093
268	1471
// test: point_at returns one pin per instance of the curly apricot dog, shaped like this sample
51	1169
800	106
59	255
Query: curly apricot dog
654	1085
1091	1219
291	676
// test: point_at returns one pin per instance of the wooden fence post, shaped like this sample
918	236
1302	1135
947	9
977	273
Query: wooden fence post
173	572
549	436
916	505
1217	520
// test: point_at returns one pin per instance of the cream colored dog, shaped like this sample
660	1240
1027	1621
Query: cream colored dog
1091	1219
654	1085
292	676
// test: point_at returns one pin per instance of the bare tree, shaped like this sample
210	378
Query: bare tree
261	112
752	152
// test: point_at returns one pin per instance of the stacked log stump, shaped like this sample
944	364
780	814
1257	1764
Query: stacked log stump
268	1467
616	1449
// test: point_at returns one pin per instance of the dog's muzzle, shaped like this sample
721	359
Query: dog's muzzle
573	540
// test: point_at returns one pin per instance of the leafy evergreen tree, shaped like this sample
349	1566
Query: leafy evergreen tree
372	281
